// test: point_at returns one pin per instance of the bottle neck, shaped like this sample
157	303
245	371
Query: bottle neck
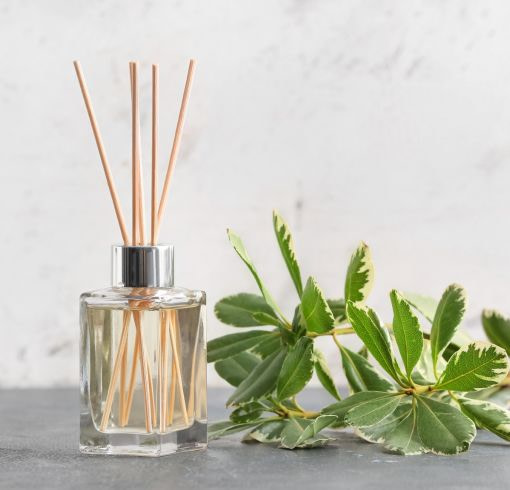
143	266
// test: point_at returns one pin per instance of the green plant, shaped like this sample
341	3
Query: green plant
426	403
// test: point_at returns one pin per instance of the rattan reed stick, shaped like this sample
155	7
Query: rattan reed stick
171	318
140	204
135	169
191	398
145	374
122	383
154	154
102	153
132	379
116	371
176	142
163	374
171	399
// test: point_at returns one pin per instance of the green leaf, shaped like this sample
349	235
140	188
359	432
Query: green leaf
424	304
260	381
340	409
239	247
247	412
474	367
442	428
487	415
301	433
497	328
316	312
360	374
286	244
407	332
360	274
297	369
337	307
367	326
324	374
268	432
398	432
244	310
227	427
235	369
373	411
232	344
447	318
268	345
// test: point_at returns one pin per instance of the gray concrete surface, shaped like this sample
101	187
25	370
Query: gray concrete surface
39	449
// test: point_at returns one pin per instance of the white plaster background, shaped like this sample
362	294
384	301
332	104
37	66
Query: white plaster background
387	121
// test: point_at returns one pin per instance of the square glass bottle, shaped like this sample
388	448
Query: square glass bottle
143	360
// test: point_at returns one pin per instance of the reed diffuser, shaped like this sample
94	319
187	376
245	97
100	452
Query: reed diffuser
142	354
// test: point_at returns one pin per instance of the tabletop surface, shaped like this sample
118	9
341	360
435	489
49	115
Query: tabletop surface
39	449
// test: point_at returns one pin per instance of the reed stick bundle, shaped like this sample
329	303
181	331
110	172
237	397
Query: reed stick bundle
169	338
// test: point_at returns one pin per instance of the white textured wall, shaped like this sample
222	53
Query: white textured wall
387	121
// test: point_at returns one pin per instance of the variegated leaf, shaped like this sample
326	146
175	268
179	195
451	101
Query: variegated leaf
487	415
372	412
474	367
316	313
442	428
304	432
245	310
247	412
267	432
447	318
239	247
360	274
227	427
367	326
407	332
398	432
358	400
286	244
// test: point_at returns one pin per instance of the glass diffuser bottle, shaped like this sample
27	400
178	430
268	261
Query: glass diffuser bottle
143	359
143	351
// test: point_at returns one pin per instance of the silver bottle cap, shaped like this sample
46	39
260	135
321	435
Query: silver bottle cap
143	266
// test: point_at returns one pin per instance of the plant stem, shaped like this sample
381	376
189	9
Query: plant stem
285	412
335	331
453	396
335	340
423	389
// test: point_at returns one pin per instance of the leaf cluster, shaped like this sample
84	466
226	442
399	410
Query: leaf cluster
430	400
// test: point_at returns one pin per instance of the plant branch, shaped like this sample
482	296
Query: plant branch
335	331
